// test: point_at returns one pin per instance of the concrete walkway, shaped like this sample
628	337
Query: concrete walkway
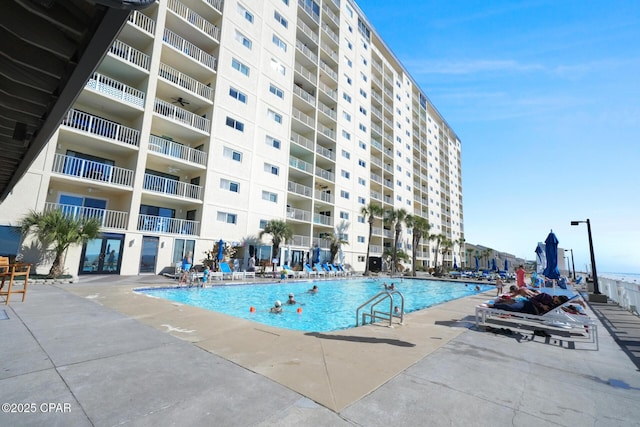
95	353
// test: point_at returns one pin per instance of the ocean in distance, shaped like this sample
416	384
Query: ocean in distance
625	277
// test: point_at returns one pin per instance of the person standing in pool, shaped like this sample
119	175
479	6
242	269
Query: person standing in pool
291	300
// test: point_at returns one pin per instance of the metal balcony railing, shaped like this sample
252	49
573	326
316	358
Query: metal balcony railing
90	170
107	218
171	187
189	49
163	225
194	19
181	115
185	82
115	89
143	22
101	127
173	149
130	54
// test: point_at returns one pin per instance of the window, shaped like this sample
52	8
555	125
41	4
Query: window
274	116
346	116
348	79
227	217
362	181
272	197
235	93
364	77
235	124
361	258
360	219
362	127
344	215
363	93
362	145
280	19
244	40
225	184
276	91
346	154
344	194
349	62
269	168
363	110
360	239
346	135
275	143
237	65
346	97
361	200
279	43
277	66
245	13
362	163
232	154
345	174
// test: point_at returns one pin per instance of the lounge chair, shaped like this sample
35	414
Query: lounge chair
289	272
319	269
228	273
335	269
557	317
310	271
326	269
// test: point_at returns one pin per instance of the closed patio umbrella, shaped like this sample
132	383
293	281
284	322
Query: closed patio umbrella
551	251
220	250
477	264
455	263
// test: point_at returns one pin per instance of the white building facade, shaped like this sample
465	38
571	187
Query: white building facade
208	118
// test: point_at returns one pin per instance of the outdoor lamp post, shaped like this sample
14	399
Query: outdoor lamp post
596	288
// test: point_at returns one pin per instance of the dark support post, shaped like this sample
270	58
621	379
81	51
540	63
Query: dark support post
596	288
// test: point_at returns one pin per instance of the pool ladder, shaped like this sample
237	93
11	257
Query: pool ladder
375	315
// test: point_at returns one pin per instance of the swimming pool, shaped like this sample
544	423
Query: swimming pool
332	308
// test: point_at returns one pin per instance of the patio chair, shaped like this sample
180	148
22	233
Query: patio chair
319	270
228	273
9	274
324	267
310	271
557	317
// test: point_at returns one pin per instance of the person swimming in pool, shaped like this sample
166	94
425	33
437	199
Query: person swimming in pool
277	308
314	289
291	299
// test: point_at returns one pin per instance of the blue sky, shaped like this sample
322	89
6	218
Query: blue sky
545	97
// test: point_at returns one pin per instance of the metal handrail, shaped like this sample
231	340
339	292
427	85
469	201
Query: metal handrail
381	296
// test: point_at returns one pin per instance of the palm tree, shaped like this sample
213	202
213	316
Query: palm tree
57	231
335	241
446	245
438	239
420	228
395	217
461	241
280	232
370	212
486	254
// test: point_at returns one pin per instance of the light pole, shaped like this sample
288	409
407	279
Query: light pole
596	288
573	266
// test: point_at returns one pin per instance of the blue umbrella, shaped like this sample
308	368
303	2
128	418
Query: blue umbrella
455	264
488	264
220	250
493	264
506	265
316	254
477	264
551	252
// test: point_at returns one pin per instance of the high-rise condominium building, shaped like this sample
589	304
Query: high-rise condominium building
208	118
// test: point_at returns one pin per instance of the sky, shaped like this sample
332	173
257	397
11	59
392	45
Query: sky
545	99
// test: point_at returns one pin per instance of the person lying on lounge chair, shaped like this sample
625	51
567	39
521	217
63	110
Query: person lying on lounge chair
537	305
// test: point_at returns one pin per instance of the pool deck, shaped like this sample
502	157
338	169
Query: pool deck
121	358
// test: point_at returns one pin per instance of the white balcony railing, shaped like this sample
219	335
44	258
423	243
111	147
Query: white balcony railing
303	241
185	82
143	22
322	219
189	49
303	190
171	187
300	164
308	31
163	225
304	95
307	7
307	52
322	173
194	19
130	54
298	214
101	127
179	151
181	115
107	218
304	118
325	196
325	152
216	4
301	140
90	170
116	90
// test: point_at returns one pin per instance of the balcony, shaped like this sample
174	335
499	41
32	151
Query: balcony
171	187
302	241
325	152
181	115
164	225
326	131
300	164
307	52
303	190
304	95
100	127
142	21
325	174
179	151
194	19
325	196
322	219
306	30
92	171
116	90
298	214
302	117
115	220
189	49
130	54
309	9
188	83
300	69
301	140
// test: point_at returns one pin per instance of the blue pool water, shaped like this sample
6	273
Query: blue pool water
332	308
